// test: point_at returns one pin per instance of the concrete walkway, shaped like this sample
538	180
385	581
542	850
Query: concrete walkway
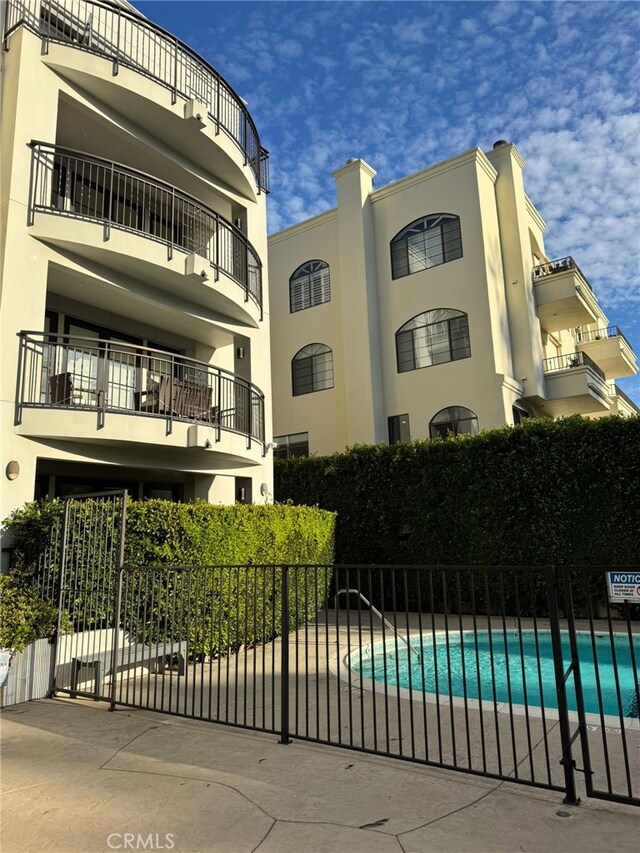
78	778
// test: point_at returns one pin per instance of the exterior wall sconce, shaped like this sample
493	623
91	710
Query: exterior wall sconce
240	352
242	493
12	470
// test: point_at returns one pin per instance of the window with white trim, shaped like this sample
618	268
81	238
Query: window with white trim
310	285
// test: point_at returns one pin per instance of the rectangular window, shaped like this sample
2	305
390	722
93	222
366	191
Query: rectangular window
288	446
399	429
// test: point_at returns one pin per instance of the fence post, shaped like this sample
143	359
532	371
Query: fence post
51	692
116	616
284	658
561	675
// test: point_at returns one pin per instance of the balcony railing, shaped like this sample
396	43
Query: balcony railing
553	267
81	373
583	337
572	359
109	30
75	184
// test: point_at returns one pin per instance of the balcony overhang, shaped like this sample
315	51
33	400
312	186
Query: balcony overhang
564	300
576	390
82	430
148	262
612	354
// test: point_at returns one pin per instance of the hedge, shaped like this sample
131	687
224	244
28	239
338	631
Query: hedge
547	492
217	608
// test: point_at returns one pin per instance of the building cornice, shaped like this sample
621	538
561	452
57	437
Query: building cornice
473	155
354	165
301	227
533	213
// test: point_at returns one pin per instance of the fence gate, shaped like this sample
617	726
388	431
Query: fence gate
89	542
604	650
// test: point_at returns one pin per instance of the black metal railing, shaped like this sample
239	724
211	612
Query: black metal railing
560	363
558	266
64	371
75	184
618	392
120	35
587	336
501	671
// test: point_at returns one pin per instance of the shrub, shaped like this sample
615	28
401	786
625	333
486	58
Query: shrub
216	609
24	616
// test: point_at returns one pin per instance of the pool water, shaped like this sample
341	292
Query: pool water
490	667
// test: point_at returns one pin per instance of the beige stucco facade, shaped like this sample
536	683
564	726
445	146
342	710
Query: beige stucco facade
134	299
538	342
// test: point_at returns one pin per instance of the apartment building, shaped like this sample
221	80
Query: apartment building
135	317
429	306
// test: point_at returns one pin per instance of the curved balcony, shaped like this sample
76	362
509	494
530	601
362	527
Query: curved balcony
111	31
74	184
85	374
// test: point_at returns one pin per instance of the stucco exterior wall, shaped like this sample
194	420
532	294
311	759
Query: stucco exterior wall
119	279
502	241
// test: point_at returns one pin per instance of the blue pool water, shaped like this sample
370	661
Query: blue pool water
470	656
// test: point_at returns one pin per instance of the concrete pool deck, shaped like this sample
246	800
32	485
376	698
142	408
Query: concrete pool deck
78	778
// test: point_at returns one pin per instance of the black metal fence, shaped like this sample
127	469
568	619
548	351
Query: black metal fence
506	672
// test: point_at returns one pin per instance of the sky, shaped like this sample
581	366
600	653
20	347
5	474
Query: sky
404	85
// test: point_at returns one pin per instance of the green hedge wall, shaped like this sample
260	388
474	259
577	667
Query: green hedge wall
215	609
560	492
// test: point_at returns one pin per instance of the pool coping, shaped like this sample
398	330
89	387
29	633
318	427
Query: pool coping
339	667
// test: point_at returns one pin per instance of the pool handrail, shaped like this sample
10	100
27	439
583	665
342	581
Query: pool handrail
380	616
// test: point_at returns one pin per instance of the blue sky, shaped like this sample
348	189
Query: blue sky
406	84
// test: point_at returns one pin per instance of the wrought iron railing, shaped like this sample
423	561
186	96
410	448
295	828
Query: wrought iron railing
572	359
75	184
584	336
109	30
80	373
618	392
553	267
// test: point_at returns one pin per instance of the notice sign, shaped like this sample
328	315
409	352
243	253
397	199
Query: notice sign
624	586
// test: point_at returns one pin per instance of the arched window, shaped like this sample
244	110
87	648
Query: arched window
312	369
433	337
309	285
427	242
455	419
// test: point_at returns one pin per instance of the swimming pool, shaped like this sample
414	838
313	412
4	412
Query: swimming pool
491	667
